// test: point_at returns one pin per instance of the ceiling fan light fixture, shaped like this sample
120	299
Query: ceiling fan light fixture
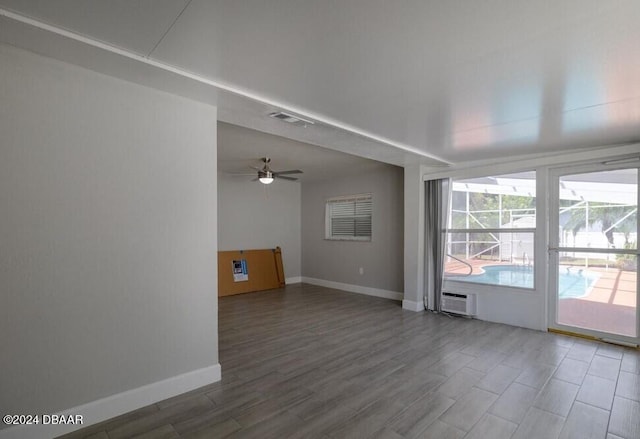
266	180
265	176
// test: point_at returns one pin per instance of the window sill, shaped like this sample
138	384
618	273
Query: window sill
480	288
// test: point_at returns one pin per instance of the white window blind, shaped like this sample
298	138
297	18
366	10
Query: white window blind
349	217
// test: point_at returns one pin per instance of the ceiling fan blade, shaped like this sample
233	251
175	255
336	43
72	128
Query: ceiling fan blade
255	179
256	168
285	178
292	171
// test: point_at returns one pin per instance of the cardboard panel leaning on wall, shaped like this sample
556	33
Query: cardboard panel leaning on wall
108	235
247	271
381	259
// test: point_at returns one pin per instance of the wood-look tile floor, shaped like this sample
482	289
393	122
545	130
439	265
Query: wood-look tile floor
311	362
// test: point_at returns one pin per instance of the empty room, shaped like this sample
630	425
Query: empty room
285	219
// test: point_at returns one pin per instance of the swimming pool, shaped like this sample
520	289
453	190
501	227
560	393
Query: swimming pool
574	282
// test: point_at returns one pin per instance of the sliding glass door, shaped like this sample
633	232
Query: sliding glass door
593	251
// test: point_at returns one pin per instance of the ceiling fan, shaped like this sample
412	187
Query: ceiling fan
266	175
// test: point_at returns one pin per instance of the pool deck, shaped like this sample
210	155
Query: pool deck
610	306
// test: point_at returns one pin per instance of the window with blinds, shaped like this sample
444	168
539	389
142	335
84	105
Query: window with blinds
349	218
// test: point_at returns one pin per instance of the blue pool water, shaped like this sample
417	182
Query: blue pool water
574	282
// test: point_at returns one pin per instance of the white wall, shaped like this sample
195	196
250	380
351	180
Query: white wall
413	251
340	261
253	216
107	235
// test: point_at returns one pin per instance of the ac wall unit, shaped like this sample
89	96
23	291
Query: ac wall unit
457	303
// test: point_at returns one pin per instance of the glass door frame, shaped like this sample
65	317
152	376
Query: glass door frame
554	250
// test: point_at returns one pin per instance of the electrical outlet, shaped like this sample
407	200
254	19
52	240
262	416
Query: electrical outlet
361	271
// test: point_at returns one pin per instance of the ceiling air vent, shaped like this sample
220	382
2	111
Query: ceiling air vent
290	118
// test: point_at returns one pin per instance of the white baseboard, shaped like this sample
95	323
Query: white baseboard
293	280
369	291
115	405
410	305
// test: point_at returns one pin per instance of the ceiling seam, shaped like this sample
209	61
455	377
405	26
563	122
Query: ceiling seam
170	27
235	90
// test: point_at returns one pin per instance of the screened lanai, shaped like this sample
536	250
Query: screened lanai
593	230
483	210
592	214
